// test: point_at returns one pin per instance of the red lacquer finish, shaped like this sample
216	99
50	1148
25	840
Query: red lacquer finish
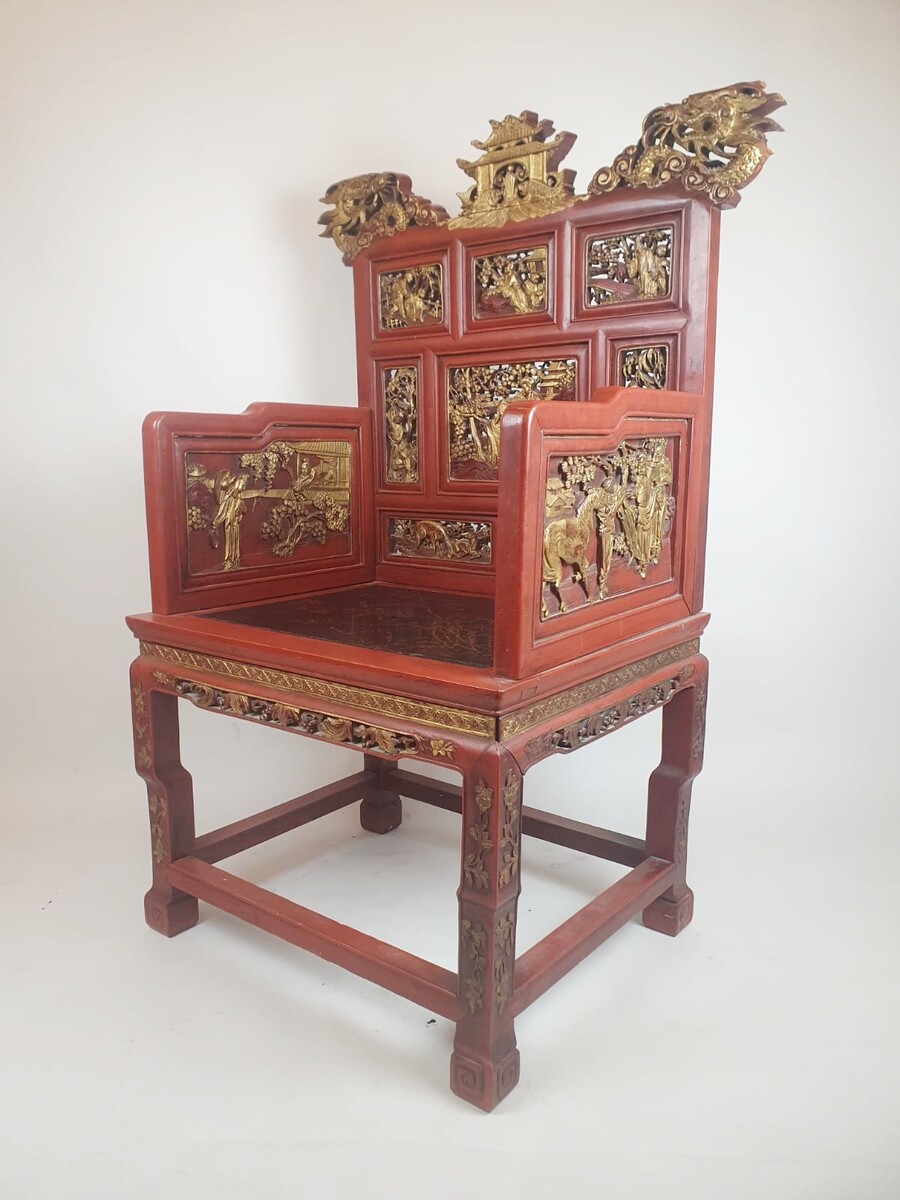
496	557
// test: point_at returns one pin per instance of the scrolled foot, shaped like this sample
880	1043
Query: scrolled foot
170	917
670	916
483	1084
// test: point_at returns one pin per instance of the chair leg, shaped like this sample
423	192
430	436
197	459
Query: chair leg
485	1063
170	799
669	799
381	811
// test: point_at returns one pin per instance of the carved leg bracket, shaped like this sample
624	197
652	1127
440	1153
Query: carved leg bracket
485	1063
170	798
669	799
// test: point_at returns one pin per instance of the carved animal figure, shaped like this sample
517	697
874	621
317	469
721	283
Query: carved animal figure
434	537
566	540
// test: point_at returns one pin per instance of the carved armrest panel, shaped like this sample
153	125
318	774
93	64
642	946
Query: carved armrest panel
274	502
601	523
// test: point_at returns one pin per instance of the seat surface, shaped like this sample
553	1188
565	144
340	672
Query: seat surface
402	620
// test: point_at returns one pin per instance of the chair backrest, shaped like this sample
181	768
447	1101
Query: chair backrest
532	293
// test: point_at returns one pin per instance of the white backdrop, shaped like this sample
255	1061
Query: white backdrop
162	166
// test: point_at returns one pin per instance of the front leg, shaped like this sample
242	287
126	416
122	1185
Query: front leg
170	798
485	1063
669	799
382	810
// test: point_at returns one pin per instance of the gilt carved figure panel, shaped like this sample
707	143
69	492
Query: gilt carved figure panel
282	503
478	396
607	524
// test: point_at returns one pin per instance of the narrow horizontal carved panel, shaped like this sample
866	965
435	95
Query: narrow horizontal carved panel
477	397
446	540
644	366
511	284
411	297
401	424
605	514
244	510
629	266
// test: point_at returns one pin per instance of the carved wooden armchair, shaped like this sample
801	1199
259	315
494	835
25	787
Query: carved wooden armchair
497	557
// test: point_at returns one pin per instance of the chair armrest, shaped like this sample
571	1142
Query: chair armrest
275	501
601	524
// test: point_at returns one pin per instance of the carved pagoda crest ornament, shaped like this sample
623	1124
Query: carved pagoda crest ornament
368	207
712	142
517	176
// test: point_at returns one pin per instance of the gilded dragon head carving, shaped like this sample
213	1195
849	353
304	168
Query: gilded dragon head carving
713	142
373	206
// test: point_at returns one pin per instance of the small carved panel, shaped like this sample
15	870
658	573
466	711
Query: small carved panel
477	397
431	538
256	509
411	297
607	524
629	266
401	424
644	366
511	284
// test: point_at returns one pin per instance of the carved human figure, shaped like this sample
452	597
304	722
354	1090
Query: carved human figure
647	267
229	491
401	456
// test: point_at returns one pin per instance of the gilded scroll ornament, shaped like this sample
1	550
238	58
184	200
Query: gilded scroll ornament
474	943
308	481
478	839
511	284
504	961
431	538
478	396
385	704
712	142
572	698
401	424
625	510
600	724
629	266
157	807
369	207
644	366
518	175
339	730
413	296
510	833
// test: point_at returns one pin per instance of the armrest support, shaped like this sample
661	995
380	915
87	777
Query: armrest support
273	502
601	523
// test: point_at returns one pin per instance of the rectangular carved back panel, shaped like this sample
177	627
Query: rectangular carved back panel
456	324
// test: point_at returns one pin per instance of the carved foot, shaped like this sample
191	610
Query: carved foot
670	916
377	817
170	917
483	1084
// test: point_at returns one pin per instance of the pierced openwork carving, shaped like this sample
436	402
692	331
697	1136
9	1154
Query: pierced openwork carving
518	174
384	704
478	838
644	366
629	266
600	724
478	396
600	507
712	142
309	483
401	424
474	941
452	541
511	284
368	207
413	296
339	730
